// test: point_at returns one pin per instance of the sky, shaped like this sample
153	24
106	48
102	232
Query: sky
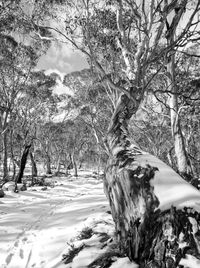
62	58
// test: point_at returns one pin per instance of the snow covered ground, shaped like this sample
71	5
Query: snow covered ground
41	225
36	225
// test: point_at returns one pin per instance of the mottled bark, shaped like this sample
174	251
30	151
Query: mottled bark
183	162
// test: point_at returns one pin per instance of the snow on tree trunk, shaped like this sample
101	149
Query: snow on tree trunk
155	211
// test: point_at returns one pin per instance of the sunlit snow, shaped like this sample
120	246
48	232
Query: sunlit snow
35	225
169	187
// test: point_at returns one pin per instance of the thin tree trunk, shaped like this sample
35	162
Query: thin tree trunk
58	165
14	170
66	166
80	164
170	158
146	234
48	164
12	155
75	169
74	165
5	156
4	133
66	172
98	151
33	165
23	163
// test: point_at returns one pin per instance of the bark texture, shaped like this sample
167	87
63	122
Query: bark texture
183	162
147	235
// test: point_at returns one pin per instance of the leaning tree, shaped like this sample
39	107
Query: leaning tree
156	212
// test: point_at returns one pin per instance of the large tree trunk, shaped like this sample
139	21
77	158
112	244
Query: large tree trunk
23	163
183	162
147	199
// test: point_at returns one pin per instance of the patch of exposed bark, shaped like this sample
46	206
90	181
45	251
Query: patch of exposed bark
169	237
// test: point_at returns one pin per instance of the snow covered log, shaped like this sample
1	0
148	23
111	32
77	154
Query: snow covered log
156	212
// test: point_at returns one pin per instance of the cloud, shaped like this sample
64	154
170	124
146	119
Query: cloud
63	58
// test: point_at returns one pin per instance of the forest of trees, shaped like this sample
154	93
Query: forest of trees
139	93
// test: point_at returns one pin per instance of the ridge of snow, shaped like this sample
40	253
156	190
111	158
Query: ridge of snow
123	262
190	262
169	187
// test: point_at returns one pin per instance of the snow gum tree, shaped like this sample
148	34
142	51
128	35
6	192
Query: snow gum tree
156	212
90	101
18	57
31	111
187	80
14	76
